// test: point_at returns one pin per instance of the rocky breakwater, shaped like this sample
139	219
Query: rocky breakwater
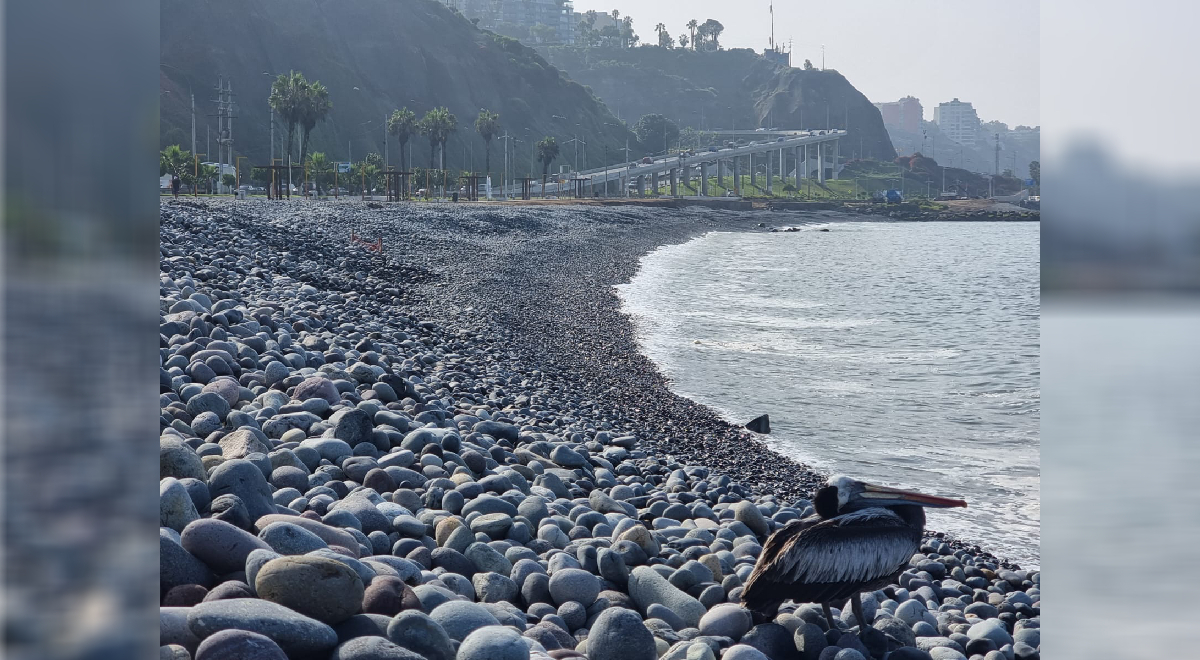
341	480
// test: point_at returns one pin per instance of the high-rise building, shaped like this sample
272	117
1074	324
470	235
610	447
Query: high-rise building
556	18
958	121
905	114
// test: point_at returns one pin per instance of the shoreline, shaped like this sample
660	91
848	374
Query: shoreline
487	345
671	425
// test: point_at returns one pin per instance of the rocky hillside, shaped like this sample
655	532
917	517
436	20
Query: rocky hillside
733	88
374	56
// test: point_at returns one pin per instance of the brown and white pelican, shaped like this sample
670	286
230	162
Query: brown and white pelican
860	539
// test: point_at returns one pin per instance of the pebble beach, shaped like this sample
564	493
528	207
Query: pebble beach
449	447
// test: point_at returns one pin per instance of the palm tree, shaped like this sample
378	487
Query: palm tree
287	96
403	124
314	107
318	164
547	150
175	161
488	125
692	25
208	173
438	124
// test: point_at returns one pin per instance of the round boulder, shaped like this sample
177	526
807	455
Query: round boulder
319	587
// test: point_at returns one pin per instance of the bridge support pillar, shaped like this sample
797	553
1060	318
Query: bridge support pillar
674	181
806	166
721	173
704	179
769	171
836	151
737	177
799	166
687	176
820	163
641	185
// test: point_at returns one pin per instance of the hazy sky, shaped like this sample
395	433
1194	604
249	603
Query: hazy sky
985	53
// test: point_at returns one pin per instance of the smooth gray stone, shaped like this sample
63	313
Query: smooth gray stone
288	539
220	545
239	645
461	618
418	632
372	648
244	479
177	566
992	629
493	643
574	584
175	506
173	628
177	459
494	588
618	634
646	586
727	620
295	633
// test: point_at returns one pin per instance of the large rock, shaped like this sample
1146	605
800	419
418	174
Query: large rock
461	618
575	584
177	566
992	629
493	643
324	589
298	635
727	620
331	535
646	586
177	459
244	479
242	443
220	545
498	430
749	514
175	506
418	632
317	387
352	426
372	648
289	539
239	645
618	634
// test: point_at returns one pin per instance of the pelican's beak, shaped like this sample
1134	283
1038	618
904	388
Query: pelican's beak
884	496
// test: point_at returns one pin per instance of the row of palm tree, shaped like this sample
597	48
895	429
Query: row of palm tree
301	105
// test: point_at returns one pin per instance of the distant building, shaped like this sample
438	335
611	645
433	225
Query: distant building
778	56
905	114
958	121
557	17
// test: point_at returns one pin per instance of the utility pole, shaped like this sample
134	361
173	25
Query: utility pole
272	136
822	57
193	123
386	162
997	168
606	171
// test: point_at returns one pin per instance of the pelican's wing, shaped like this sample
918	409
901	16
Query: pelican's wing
818	562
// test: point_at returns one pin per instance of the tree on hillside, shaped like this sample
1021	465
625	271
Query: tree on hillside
176	161
709	33
664	38
808	65
287	99
317	165
402	124
438	124
314	107
629	38
1035	172
683	41
488	126
691	26
547	151
655	132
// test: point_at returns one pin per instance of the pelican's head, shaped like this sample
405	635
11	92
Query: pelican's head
842	494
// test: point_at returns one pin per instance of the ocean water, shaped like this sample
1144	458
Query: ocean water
904	354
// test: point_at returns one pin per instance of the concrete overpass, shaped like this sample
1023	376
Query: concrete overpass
816	149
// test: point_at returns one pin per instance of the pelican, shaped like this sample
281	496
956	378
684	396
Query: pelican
860	539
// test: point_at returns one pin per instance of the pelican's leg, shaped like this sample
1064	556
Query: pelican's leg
829	616
856	604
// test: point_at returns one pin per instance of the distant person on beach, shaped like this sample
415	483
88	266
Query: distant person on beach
175	185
